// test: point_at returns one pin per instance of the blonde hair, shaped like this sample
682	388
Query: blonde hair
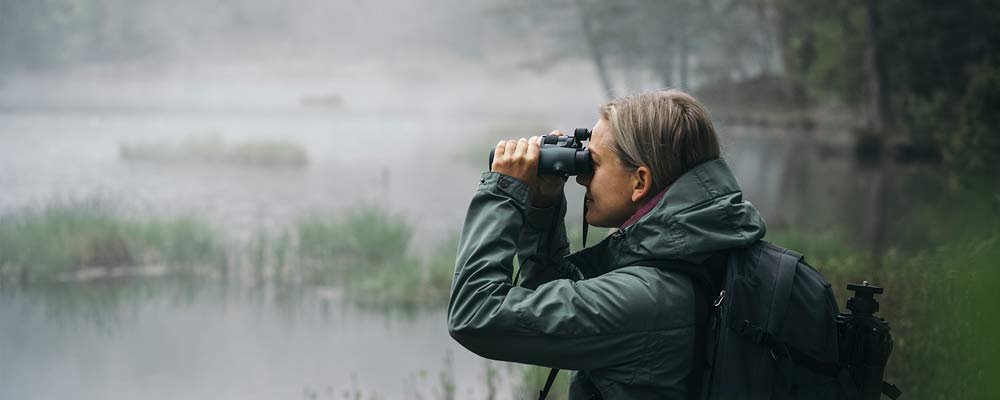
668	131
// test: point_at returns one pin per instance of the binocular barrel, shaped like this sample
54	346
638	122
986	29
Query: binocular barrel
562	155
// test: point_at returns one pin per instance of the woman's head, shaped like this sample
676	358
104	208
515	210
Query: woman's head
640	145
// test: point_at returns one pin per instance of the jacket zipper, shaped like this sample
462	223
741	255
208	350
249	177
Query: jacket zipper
618	235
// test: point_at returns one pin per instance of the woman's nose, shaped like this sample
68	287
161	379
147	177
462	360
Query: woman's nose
584	180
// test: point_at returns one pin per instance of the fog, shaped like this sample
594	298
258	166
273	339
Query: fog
388	100
261	199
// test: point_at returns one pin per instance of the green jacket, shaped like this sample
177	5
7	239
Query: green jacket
626	329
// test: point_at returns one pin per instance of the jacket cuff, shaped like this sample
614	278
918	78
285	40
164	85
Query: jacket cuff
540	218
507	185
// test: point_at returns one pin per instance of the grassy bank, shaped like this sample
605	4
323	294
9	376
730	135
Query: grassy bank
66	238
937	299
213	149
936	302
367	250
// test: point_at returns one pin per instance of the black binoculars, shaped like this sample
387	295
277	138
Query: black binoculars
563	155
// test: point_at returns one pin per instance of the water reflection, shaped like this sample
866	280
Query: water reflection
173	337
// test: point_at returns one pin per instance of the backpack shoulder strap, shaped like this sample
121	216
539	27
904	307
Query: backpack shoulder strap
706	281
788	262
707	275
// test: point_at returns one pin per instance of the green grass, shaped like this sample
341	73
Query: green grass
213	149
409	282
938	296
937	302
366	250
41	244
533	379
353	245
365	234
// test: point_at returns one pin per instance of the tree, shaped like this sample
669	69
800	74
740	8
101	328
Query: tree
678	41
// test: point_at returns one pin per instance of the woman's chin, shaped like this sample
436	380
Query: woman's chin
597	223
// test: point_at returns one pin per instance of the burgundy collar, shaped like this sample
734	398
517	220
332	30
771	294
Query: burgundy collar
646	208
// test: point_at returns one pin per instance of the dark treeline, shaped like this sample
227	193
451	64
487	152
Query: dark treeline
923	72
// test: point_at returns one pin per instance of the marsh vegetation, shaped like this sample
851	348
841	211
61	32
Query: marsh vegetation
364	251
213	149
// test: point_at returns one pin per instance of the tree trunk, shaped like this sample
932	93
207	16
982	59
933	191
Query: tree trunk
767	45
878	95
665	66
595	50
683	61
782	28
875	205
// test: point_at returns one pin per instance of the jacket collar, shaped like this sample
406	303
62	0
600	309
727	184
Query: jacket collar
702	212
645	208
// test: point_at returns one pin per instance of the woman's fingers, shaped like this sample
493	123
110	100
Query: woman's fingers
519	158
509	148
499	154
533	148
522	147
498	151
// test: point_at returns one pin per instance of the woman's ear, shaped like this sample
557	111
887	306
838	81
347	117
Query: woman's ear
642	183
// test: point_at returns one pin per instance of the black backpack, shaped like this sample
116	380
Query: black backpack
775	332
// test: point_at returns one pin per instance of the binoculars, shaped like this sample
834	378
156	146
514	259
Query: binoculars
563	155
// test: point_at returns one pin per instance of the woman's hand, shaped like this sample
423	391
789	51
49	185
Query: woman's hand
519	159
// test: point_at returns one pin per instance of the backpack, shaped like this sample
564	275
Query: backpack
775	332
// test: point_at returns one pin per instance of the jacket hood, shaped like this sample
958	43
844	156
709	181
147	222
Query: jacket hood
702	212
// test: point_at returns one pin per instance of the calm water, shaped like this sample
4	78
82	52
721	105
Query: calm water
220	346
398	142
402	143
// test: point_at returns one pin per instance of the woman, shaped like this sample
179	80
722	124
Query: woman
611	312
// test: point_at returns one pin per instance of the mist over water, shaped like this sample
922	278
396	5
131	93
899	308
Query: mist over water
256	117
388	111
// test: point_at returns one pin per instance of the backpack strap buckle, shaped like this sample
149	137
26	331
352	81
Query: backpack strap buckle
718	300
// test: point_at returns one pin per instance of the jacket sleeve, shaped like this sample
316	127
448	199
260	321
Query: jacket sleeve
578	325
543	245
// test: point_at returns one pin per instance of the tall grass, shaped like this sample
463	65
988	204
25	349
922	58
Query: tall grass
533	379
410	283
213	149
63	237
939	293
366	250
363	235
937	301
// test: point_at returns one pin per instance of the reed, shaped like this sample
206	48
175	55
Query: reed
212	148
69	236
